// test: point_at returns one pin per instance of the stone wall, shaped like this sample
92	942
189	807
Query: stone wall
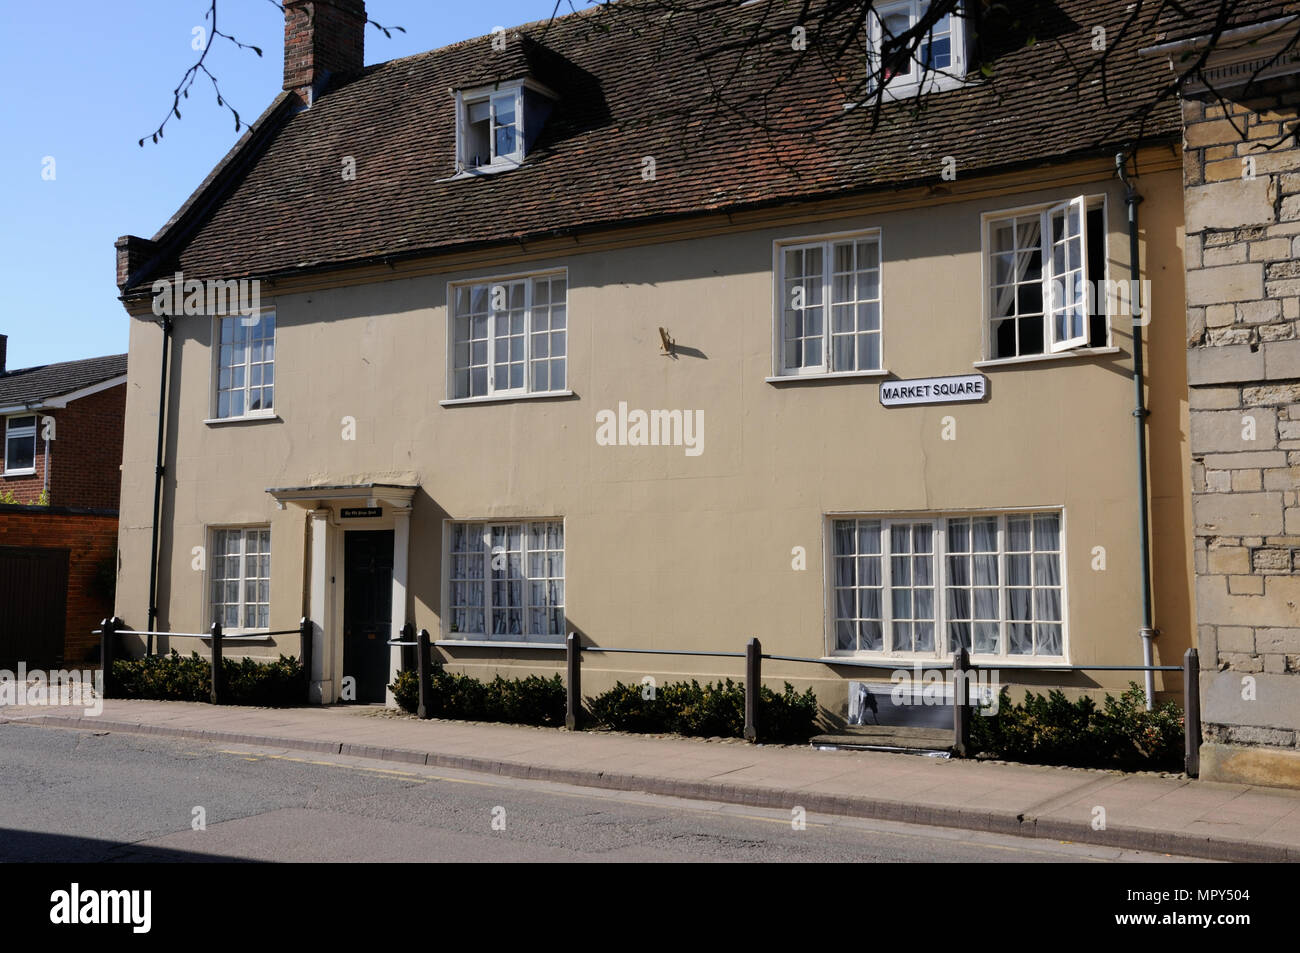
1243	284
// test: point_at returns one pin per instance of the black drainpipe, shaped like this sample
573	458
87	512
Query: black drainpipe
1140	414
158	471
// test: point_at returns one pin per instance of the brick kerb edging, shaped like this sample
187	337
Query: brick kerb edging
991	821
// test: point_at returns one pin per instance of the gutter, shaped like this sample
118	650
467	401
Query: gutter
1140	414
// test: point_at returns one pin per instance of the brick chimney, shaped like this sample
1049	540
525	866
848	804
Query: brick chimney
133	253
322	38
4	350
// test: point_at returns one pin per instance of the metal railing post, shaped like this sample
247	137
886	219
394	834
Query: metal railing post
1192	713
108	636
305	650
218	672
961	713
573	681
423	664
753	684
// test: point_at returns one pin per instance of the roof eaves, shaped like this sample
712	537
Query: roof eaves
1228	38
895	185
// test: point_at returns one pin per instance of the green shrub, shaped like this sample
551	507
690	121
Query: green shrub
1053	730
528	701
174	678
163	677
684	708
712	710
268	684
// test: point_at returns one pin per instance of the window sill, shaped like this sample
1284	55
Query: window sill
245	419
489	644
1059	356
502	398
1049	663
240	636
832	375
898	91
18	473
492	169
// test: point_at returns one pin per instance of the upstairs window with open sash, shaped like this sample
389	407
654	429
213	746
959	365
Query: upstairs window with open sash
497	125
1042	265
905	65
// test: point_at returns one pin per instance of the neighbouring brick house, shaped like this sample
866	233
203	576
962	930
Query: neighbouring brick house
63	431
1242	186
63	427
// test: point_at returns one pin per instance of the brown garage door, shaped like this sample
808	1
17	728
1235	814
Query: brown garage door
33	603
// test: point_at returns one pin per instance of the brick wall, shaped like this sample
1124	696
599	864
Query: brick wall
86	455
1243	283
91	541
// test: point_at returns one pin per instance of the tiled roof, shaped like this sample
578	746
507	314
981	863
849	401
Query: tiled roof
631	85
29	385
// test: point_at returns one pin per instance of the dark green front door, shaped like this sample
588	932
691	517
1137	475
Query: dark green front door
367	610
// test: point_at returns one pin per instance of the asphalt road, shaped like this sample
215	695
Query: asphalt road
69	795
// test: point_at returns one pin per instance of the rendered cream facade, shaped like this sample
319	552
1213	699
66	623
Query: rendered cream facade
666	550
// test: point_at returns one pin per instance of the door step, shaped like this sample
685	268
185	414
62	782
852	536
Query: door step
887	738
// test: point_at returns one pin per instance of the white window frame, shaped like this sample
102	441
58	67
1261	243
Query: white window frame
1073	292
951	77
19	433
465	98
827	243
209	576
550	640
214	390
526	390
1052	345
939	522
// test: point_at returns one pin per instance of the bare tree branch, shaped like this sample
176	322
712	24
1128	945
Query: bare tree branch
182	90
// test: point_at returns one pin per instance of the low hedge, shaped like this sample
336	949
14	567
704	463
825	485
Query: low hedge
712	710
172	677
1054	730
526	701
684	708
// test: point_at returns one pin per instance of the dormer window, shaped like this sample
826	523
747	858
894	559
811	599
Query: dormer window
497	125
938	61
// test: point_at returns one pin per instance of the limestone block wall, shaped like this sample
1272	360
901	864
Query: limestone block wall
1243	282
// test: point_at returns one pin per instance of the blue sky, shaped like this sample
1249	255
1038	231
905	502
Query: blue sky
82	81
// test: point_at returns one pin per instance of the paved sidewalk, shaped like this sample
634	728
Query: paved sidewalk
1143	812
